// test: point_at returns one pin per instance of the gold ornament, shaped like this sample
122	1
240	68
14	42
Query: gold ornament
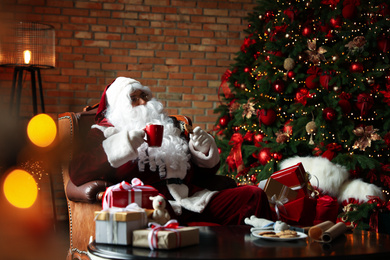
311	129
367	136
315	55
249	109
288	64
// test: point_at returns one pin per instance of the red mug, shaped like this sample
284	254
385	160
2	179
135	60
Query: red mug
154	135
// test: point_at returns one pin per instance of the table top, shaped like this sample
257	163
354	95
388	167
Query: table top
237	242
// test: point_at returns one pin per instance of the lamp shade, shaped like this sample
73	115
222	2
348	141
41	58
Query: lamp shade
27	44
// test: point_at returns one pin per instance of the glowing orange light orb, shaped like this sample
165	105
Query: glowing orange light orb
20	189
42	130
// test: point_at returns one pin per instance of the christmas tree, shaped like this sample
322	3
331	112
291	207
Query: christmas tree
312	78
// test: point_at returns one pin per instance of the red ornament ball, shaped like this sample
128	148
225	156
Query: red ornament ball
267	116
345	106
356	67
278	86
291	74
349	11
335	22
306	31
329	114
264	156
258	139
224	120
253	178
312	82
246	70
278	156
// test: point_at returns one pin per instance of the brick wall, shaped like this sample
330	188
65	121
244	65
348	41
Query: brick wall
180	48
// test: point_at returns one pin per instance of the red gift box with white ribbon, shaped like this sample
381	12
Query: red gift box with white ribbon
293	177
123	194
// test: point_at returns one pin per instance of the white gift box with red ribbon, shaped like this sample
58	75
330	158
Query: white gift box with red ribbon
168	236
123	194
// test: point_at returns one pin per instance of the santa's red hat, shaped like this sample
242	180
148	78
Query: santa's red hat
110	97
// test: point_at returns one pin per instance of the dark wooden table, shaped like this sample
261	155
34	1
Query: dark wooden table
237	242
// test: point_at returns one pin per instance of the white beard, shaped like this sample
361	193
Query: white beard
172	158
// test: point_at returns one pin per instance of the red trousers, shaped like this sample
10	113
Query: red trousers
231	207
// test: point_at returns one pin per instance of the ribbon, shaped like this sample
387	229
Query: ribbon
332	148
171	225
136	185
133	207
225	86
364	103
235	156
279	203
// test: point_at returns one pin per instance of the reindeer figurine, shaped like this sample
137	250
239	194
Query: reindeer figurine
160	214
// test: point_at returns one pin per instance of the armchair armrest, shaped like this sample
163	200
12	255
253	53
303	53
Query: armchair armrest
90	192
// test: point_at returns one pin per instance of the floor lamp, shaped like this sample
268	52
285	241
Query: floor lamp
27	47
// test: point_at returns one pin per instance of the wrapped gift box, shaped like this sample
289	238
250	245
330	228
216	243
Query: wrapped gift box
123	194
166	239
277	191
117	227
299	212
293	177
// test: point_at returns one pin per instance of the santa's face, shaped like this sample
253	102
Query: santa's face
133	111
139	98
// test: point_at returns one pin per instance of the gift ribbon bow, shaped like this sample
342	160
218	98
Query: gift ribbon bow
279	203
171	225
136	184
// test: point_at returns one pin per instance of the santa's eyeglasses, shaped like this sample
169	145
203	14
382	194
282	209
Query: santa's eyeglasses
143	96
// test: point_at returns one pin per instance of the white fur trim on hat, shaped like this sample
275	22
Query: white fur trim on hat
124	86
359	190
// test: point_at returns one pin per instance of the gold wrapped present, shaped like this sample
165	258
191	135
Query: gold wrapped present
166	237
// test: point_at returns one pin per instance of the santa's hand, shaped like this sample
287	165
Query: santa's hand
136	138
201	140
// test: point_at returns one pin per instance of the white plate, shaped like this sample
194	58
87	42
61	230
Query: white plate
257	231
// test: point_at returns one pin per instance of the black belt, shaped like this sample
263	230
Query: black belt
169	181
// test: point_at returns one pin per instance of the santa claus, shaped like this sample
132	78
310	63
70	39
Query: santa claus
117	151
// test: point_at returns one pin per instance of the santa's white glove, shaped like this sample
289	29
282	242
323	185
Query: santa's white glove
136	138
201	140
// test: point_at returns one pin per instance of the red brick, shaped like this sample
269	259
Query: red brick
177	17
88	5
110	66
108	36
125	15
73	72
83	20
137	8
123	59
164	9
154	75
110	6
181	75
99	13
177	61
142	53
97	43
215	12
75	12
84	35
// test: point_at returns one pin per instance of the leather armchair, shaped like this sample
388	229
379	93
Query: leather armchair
85	199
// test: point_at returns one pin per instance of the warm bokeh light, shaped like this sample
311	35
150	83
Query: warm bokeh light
27	56
20	188
42	130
